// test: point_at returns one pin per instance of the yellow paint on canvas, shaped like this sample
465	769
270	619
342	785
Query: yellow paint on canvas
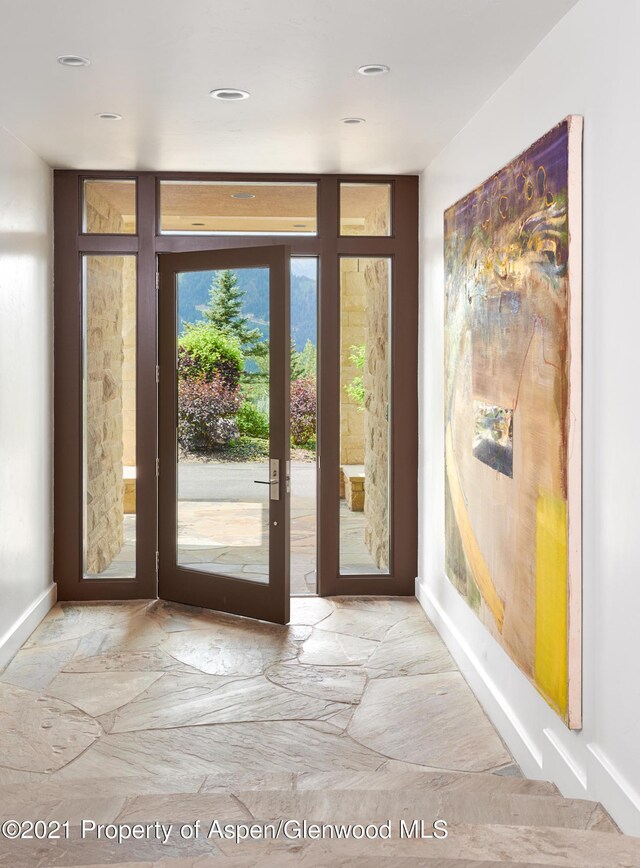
551	670
474	555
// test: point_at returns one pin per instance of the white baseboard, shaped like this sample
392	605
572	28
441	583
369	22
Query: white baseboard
18	633
579	768
620	798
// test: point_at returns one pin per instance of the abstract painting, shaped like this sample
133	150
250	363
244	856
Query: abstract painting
512	252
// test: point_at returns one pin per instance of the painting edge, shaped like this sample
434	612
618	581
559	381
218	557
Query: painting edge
574	458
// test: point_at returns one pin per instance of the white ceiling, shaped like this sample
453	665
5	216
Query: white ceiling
155	61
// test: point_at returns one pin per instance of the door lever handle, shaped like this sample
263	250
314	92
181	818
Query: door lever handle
274	482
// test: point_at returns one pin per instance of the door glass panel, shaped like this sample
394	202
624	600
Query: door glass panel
223	422
109	207
365	209
304	320
238	208
109	416
365	353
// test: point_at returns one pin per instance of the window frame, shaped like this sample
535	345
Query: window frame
71	243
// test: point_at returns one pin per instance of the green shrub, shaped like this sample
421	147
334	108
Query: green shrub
205	353
355	389
252	422
206	414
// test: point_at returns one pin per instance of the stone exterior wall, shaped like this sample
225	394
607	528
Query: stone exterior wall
376	425
377	221
110	294
352	333
103	360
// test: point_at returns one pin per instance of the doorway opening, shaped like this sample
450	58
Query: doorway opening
223	421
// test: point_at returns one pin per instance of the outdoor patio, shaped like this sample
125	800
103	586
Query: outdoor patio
222	525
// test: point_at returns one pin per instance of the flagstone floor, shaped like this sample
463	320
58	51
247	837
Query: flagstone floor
152	712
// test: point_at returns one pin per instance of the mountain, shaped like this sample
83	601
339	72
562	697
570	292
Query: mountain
193	297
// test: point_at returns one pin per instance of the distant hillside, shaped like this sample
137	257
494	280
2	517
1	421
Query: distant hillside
193	297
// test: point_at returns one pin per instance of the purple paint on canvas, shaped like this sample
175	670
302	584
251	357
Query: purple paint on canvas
538	173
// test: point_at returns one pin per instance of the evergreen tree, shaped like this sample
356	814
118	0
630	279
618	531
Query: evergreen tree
308	358
225	313
296	369
296	366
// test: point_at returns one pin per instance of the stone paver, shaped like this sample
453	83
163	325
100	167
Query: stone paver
154	711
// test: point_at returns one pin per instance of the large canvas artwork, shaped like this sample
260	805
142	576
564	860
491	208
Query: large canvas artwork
512	410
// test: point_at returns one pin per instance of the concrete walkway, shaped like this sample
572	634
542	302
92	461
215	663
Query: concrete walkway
235	481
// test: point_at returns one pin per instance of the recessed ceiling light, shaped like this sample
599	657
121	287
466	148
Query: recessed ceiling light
229	94
73	60
243	196
109	116
373	69
353	121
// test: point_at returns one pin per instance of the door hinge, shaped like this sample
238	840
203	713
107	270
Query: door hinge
157	562
157	467
157	374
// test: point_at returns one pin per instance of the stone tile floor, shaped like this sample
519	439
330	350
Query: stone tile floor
355	712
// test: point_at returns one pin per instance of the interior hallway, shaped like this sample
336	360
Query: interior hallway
137	712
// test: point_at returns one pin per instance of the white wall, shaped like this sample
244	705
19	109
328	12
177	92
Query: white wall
588	65
26	365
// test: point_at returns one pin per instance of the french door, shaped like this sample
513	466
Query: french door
224	524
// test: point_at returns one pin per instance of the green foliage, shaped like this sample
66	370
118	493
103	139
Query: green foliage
225	313
308	360
295	364
194	298
244	448
299	366
257	391
355	389
357	356
252	422
205	353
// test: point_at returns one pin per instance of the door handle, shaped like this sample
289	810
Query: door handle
274	479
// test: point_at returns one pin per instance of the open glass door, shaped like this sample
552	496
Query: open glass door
224	430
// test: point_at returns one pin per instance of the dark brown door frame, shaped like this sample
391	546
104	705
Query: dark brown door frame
71	243
402	248
70	246
268	602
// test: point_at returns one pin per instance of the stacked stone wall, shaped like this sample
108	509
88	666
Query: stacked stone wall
107	277
376	424
129	298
